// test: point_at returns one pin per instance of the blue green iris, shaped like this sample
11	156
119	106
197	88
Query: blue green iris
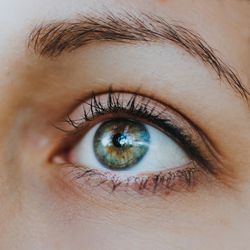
121	143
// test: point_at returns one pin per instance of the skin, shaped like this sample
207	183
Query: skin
41	210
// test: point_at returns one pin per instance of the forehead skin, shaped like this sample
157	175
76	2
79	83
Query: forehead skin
34	215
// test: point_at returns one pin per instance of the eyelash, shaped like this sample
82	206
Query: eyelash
180	179
164	183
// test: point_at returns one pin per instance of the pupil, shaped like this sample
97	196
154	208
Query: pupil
119	140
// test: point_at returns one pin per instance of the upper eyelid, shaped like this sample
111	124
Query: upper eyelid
152	98
139	96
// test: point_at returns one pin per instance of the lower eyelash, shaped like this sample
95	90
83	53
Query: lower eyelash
182	179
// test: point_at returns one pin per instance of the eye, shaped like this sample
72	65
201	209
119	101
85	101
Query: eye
128	145
129	141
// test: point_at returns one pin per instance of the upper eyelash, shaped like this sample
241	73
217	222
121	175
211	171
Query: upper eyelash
113	104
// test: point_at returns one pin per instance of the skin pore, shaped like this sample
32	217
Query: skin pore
42	208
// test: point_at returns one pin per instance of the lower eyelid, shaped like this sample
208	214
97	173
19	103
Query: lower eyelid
163	183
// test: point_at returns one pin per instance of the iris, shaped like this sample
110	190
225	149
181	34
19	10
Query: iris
121	143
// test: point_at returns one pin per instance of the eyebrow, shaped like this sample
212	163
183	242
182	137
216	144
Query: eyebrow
53	39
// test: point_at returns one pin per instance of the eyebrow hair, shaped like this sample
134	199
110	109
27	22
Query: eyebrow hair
53	39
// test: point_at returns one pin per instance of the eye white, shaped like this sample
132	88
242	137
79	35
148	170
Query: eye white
163	153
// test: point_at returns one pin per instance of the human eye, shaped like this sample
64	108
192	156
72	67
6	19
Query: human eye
128	141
